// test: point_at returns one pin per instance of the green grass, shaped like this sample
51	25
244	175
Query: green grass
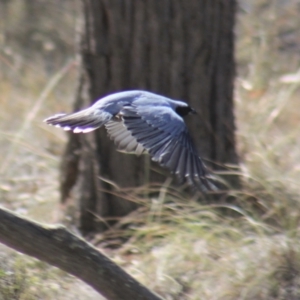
175	246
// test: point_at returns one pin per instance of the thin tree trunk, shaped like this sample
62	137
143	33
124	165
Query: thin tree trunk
181	49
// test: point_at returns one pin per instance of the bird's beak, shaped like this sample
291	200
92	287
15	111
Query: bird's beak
193	111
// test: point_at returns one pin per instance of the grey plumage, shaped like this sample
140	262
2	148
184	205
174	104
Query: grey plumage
139	122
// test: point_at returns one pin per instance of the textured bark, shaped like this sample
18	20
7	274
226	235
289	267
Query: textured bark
181	49
59	247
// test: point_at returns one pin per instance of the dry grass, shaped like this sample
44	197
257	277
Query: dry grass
178	248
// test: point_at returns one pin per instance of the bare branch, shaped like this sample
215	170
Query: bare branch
59	247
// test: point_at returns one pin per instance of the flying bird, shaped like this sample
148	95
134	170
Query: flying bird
143	122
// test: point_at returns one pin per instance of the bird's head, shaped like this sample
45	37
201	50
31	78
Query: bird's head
185	110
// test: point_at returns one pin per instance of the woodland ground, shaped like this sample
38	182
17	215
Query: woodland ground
179	249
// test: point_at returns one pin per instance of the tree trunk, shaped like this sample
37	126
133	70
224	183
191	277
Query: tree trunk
180	49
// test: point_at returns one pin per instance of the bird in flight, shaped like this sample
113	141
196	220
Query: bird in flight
143	122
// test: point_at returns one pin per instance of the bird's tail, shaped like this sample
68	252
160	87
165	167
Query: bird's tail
80	122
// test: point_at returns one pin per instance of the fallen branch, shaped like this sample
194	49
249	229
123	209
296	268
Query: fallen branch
59	247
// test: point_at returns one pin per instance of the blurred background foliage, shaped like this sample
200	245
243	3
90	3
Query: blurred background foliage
176	247
40	31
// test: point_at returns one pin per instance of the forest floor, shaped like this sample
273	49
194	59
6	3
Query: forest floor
179	249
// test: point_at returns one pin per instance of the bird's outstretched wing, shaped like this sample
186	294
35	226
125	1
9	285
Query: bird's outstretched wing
83	121
123	138
163	133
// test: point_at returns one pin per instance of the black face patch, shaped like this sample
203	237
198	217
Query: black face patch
184	110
